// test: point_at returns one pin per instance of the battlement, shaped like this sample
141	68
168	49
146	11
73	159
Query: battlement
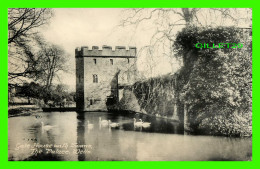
106	51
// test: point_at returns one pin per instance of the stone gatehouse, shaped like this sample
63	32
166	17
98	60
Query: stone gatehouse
100	73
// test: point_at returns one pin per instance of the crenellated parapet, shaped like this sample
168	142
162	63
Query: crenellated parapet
106	51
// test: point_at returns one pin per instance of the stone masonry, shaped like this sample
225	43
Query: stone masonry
100	73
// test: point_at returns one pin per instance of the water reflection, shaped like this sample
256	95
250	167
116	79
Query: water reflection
73	139
81	136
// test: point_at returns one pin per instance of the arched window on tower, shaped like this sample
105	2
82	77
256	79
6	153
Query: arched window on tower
111	61
95	79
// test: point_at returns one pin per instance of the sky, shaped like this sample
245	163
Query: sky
71	28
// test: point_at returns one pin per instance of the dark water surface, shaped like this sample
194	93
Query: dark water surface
66	136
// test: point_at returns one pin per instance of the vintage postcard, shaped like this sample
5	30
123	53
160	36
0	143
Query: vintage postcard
129	84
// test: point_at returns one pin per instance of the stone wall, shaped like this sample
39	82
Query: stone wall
111	67
80	83
155	96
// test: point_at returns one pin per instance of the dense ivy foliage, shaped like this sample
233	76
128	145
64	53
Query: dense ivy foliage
156	95
216	84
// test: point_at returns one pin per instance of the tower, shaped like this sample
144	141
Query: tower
99	72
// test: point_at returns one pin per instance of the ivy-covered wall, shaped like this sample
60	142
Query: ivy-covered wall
216	82
155	96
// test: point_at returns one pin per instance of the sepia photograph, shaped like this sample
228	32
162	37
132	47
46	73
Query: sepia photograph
129	84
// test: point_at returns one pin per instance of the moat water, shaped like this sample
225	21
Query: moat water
71	136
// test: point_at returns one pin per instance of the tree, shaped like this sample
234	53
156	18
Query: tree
218	84
60	96
167	21
52	60
43	63
22	22
22	27
31	90
23	61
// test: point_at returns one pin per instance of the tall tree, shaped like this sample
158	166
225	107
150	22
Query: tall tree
216	84
23	24
167	21
24	21
52	60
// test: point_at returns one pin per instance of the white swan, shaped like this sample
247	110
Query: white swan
90	126
46	127
113	125
103	122
145	124
138	124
